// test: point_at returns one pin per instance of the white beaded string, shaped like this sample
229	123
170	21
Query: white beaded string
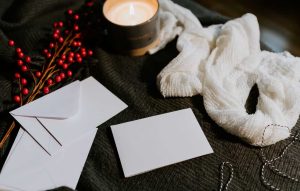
268	163
228	164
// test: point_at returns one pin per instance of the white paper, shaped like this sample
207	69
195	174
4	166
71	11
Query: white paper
29	165
158	141
54	120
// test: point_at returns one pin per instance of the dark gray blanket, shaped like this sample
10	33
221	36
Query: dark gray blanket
133	80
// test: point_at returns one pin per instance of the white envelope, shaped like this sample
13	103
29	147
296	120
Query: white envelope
63	124
158	141
55	119
29	168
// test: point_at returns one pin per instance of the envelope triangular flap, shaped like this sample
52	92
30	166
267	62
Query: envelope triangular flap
60	104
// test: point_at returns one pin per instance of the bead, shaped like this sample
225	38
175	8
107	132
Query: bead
18	50
62	75
25	91
11	43
17	99
70	11
69	73
20	62
21	55
23	81
38	74
27	59
65	66
46	90
49	82
57	79
24	68
17	75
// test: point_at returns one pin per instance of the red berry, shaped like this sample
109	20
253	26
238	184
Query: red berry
11	43
70	11
77	55
27	59
57	79
21	55
25	91
61	39
83	49
60	62
20	62
89	4
51	45
55	24
38	74
90	52
69	73
49	82
65	66
56	31
76	17
17	99
83	54
49	55
60	24
17	75
71	54
55	35
70	59
63	57
75	43
62	75
45	51
79	44
76	27
23	81
24	68
18	50
79	59
67	31
46	90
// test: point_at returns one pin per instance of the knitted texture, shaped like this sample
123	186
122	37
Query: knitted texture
134	81
223	63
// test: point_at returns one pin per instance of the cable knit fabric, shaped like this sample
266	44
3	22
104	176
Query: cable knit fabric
223	63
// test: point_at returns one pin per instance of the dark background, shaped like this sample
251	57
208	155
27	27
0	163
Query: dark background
29	23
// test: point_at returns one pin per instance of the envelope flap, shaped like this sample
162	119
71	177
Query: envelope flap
60	104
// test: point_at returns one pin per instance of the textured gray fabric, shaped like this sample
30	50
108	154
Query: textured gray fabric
134	81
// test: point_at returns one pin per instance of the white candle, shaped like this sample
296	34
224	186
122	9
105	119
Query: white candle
130	13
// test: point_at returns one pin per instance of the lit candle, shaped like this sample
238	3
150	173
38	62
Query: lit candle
131	12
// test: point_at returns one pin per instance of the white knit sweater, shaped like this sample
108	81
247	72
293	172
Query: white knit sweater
223	63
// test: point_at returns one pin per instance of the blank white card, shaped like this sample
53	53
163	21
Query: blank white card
158	141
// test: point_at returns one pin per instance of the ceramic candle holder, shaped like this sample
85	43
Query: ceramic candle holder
132	25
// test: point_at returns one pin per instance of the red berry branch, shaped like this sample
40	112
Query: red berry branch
64	53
